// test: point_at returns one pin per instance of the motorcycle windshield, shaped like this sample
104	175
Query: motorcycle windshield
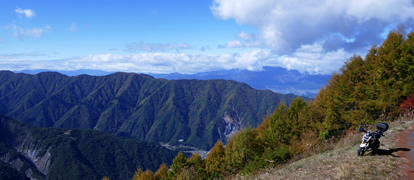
366	137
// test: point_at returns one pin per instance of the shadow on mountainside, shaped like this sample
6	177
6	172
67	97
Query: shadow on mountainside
389	152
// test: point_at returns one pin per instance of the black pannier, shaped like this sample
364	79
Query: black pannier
382	126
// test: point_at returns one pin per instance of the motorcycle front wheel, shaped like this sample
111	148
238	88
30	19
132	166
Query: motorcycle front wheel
361	151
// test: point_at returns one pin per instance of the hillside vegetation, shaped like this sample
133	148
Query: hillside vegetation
181	112
364	91
53	153
340	160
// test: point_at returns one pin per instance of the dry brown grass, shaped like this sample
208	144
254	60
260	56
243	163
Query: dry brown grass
342	162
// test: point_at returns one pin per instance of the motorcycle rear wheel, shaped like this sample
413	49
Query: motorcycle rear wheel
361	151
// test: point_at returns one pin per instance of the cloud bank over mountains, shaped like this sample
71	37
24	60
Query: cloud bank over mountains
183	63
150	62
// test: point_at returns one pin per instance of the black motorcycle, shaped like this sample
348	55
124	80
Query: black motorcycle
370	141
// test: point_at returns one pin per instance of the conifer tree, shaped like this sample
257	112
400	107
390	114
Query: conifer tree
215	159
242	148
178	164
196	161
162	172
137	174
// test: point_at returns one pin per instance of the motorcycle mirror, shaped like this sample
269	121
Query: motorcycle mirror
361	128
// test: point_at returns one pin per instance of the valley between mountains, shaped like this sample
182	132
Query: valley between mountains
186	113
70	118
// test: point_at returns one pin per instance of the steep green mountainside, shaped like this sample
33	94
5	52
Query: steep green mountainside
54	153
178	112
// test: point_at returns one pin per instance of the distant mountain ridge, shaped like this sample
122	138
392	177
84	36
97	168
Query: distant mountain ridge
277	79
54	153
178	112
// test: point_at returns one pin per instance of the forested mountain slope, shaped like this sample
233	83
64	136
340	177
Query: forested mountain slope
54	153
377	88
188	112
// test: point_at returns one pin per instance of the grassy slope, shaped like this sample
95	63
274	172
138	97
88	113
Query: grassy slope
342	162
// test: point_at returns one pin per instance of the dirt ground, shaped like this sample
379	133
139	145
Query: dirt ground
406	141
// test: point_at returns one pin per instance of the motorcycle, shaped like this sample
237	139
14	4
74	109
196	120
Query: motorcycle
370	140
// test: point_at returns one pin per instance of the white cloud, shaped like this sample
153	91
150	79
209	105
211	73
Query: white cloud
232	44
285	25
242	43
26	12
19	32
154	47
314	36
172	62
149	62
243	35
314	59
385	10
309	58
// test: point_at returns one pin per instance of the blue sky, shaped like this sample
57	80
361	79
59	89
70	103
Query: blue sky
190	36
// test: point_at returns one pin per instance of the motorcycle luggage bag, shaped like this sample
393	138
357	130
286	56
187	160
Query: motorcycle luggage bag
382	126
